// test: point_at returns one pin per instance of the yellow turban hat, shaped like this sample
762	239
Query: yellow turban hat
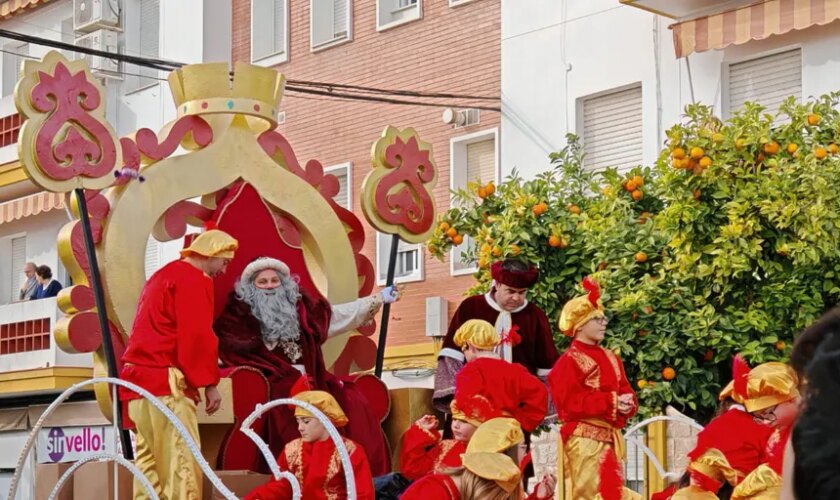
212	243
477	333
493	467
581	309
766	385
324	402
496	435
763	483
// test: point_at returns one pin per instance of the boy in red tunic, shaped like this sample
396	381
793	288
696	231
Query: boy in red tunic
314	460
593	398
172	352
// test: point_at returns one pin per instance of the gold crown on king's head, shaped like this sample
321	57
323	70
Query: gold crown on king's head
207	88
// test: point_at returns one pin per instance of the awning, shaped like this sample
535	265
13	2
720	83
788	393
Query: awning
753	22
30	205
12	7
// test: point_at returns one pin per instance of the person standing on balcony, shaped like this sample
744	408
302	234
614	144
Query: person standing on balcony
594	400
172	352
47	286
505	307
27	289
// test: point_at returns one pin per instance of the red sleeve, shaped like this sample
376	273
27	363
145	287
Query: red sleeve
416	457
533	400
197	349
574	400
546	355
274	489
362	475
431	486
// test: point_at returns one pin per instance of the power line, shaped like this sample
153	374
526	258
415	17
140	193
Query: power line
167	65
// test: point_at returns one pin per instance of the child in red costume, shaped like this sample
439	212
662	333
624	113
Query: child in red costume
314	459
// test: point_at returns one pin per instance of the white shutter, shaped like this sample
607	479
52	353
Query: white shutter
330	21
342	198
408	259
18	260
766	80
279	17
481	161
12	59
612	130
268	28
149	35
152	260
341	16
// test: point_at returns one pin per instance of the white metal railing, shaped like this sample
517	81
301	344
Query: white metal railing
634	436
190	442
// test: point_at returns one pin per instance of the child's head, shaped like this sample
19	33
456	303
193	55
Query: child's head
311	429
769	391
498	435
476	336
583	317
490	476
462	430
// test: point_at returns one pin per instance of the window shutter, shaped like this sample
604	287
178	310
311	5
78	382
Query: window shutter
11	65
68	35
18	260
149	34
612	130
279	31
341	11
268	26
481	161
152	260
342	198
767	80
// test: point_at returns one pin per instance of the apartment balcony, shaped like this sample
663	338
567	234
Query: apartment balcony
30	361
686	9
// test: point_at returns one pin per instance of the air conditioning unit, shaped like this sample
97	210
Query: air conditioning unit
91	15
105	40
461	118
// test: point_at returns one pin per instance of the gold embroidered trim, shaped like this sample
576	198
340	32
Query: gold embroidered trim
614	362
294	457
589	368
593	432
445	447
333	468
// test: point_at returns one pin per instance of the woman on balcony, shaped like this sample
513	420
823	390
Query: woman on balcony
47	286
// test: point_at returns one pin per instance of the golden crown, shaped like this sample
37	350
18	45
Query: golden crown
207	88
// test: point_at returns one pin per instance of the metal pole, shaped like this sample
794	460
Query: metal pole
99	298
386	309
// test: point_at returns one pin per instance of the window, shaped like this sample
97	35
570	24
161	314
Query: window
455	3
152	260
473	158
409	260
68	36
612	129
767	80
330	22
269	31
13	56
16	271
344	175
144	39
392	13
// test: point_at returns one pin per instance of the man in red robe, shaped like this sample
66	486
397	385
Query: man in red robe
505	307
172	352
272	324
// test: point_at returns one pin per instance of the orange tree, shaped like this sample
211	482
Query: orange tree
730	243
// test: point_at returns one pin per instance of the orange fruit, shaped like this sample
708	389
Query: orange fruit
696	153
443	226
740	143
574	209
709	355
630	185
791	148
639	180
696	193
833	149
553	241
539	209
641	384
482	263
643	217
637	194
676	163
780	345
771	147
678	153
640	257
669	373
820	153
514	250
685	163
457	239
490	188
451	232
648	310
705	162
497	252
814	119
482	193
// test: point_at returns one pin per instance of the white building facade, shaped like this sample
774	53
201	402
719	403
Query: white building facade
607	70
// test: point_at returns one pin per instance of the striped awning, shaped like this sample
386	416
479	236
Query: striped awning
753	22
12	7
30	205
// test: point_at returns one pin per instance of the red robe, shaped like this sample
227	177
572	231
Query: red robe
173	328
776	445
318	469
442	487
241	344
585	384
741	440
509	387
423	452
